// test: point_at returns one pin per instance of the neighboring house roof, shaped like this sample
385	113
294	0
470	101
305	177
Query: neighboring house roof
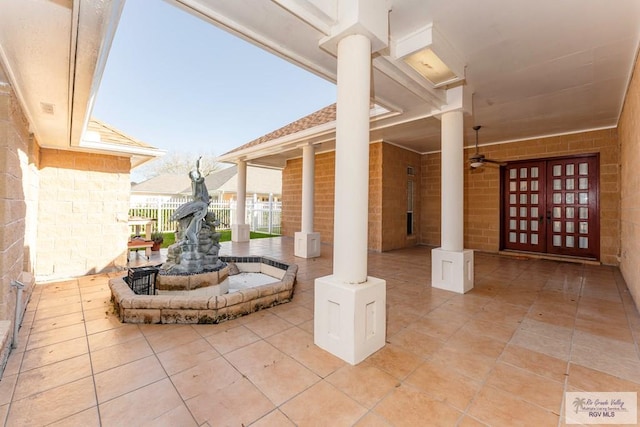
163	184
320	117
111	135
259	181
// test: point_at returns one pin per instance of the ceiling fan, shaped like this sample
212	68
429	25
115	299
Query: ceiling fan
478	160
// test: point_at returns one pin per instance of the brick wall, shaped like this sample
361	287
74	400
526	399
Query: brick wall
18	195
83	210
387	196
629	134
394	197
482	189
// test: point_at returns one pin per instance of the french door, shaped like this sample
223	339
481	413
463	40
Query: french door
551	206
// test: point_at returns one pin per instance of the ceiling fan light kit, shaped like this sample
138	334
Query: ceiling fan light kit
478	160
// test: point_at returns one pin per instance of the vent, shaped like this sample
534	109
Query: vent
47	108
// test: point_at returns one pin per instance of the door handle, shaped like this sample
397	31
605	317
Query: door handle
548	217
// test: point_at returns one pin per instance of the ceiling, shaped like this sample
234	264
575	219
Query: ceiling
535	68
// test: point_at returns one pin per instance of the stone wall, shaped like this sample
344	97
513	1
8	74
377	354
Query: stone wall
629	134
18	196
482	189
387	196
83	211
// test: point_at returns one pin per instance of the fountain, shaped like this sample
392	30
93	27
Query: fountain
193	284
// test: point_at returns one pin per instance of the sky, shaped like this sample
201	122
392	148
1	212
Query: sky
181	84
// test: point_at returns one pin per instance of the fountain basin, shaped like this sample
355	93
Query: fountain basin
133	308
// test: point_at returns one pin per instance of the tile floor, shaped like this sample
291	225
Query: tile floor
503	354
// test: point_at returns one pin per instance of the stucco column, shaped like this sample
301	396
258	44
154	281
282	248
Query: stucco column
349	306
452	209
306	242
452	265
240	230
351	214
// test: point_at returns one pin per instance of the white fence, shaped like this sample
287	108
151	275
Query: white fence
262	217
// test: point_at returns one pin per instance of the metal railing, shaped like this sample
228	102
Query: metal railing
262	216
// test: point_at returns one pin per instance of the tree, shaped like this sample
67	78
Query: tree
177	163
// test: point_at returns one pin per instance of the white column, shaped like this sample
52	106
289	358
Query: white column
240	230
452	209
350	307
306	242
451	264
351	211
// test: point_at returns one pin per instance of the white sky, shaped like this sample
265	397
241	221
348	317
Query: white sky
181	84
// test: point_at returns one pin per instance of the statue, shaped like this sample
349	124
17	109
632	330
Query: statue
197	242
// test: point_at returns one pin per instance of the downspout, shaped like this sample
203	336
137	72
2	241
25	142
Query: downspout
18	319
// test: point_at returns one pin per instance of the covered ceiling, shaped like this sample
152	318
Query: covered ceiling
535	68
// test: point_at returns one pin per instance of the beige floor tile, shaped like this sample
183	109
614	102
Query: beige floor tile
116	336
499	408
275	374
241	403
502	312
13	363
126	378
268	325
472	365
527	386
102	324
587	379
53	375
171	336
53	405
416	342
407	406
86	418
364	383
226	340
497	331
608	362
550	346
274	418
53	336
536	326
535	362
444	384
7	386
57	322
371	419
119	354
323	404
617	330
294	314
395	361
153	404
58	310
298	344
209	376
468	421
41	356
187	356
464	340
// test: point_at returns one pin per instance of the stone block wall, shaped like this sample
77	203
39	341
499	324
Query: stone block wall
83	212
18	198
629	134
394	184
482	189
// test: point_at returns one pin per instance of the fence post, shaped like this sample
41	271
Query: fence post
160	222
270	212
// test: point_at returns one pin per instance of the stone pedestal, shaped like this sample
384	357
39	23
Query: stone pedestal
240	233
307	245
350	318
452	270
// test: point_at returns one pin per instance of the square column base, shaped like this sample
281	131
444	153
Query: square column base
452	270
240	232
350	319
306	245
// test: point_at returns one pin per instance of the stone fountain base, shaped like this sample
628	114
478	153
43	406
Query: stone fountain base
133	308
216	280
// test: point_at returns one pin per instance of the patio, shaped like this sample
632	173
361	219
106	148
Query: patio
503	354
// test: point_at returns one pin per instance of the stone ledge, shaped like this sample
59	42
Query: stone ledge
132	308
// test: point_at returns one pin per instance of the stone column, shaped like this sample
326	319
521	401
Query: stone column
350	307
452	266
240	230
306	242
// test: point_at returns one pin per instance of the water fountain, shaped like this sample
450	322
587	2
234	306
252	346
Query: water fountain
193	284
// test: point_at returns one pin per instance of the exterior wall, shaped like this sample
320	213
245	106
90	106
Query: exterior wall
387	196
83	213
394	197
482	189
629	134
18	193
